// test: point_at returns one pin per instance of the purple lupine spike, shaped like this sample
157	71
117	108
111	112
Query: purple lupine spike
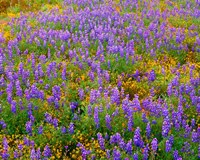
81	93
166	127
16	154
47	151
5	155
137	138
116	154
55	122
130	123
195	137
108	154
14	106
129	147
101	141
33	154
154	145
40	130
152	76
108	121
96	117
168	146
89	110
148	130
135	156
175	155
63	130
29	127
115	96
171	139
38	154
146	153
71	128
122	144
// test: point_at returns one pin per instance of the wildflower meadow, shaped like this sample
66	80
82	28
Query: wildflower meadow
100	79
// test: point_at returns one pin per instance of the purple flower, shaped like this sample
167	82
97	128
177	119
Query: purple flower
137	138
47	151
115	96
130	123
135	156
81	93
16	154
152	76
148	130
146	153
101	141
40	130
116	154
55	122
186	147
108	121
13	106
154	145
63	130
2	123
71	128
89	110
38	154
29	127
168	146
176	155
195	137
33	154
129	147
96	117
108	154
166	127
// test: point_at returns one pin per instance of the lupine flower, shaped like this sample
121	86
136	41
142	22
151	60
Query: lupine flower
84	151
166	127
168	146
129	147
115	96
152	76
137	138
148	130
101	141
130	123
40	130
144	119
13	106
154	145
186	147
146	153
16	154
96	117
38	154
195	137
33	154
135	156
116	154
47	151
108	154
108	121
71	128
89	110
5	154
29	127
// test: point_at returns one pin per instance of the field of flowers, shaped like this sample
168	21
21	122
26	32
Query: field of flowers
100	79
